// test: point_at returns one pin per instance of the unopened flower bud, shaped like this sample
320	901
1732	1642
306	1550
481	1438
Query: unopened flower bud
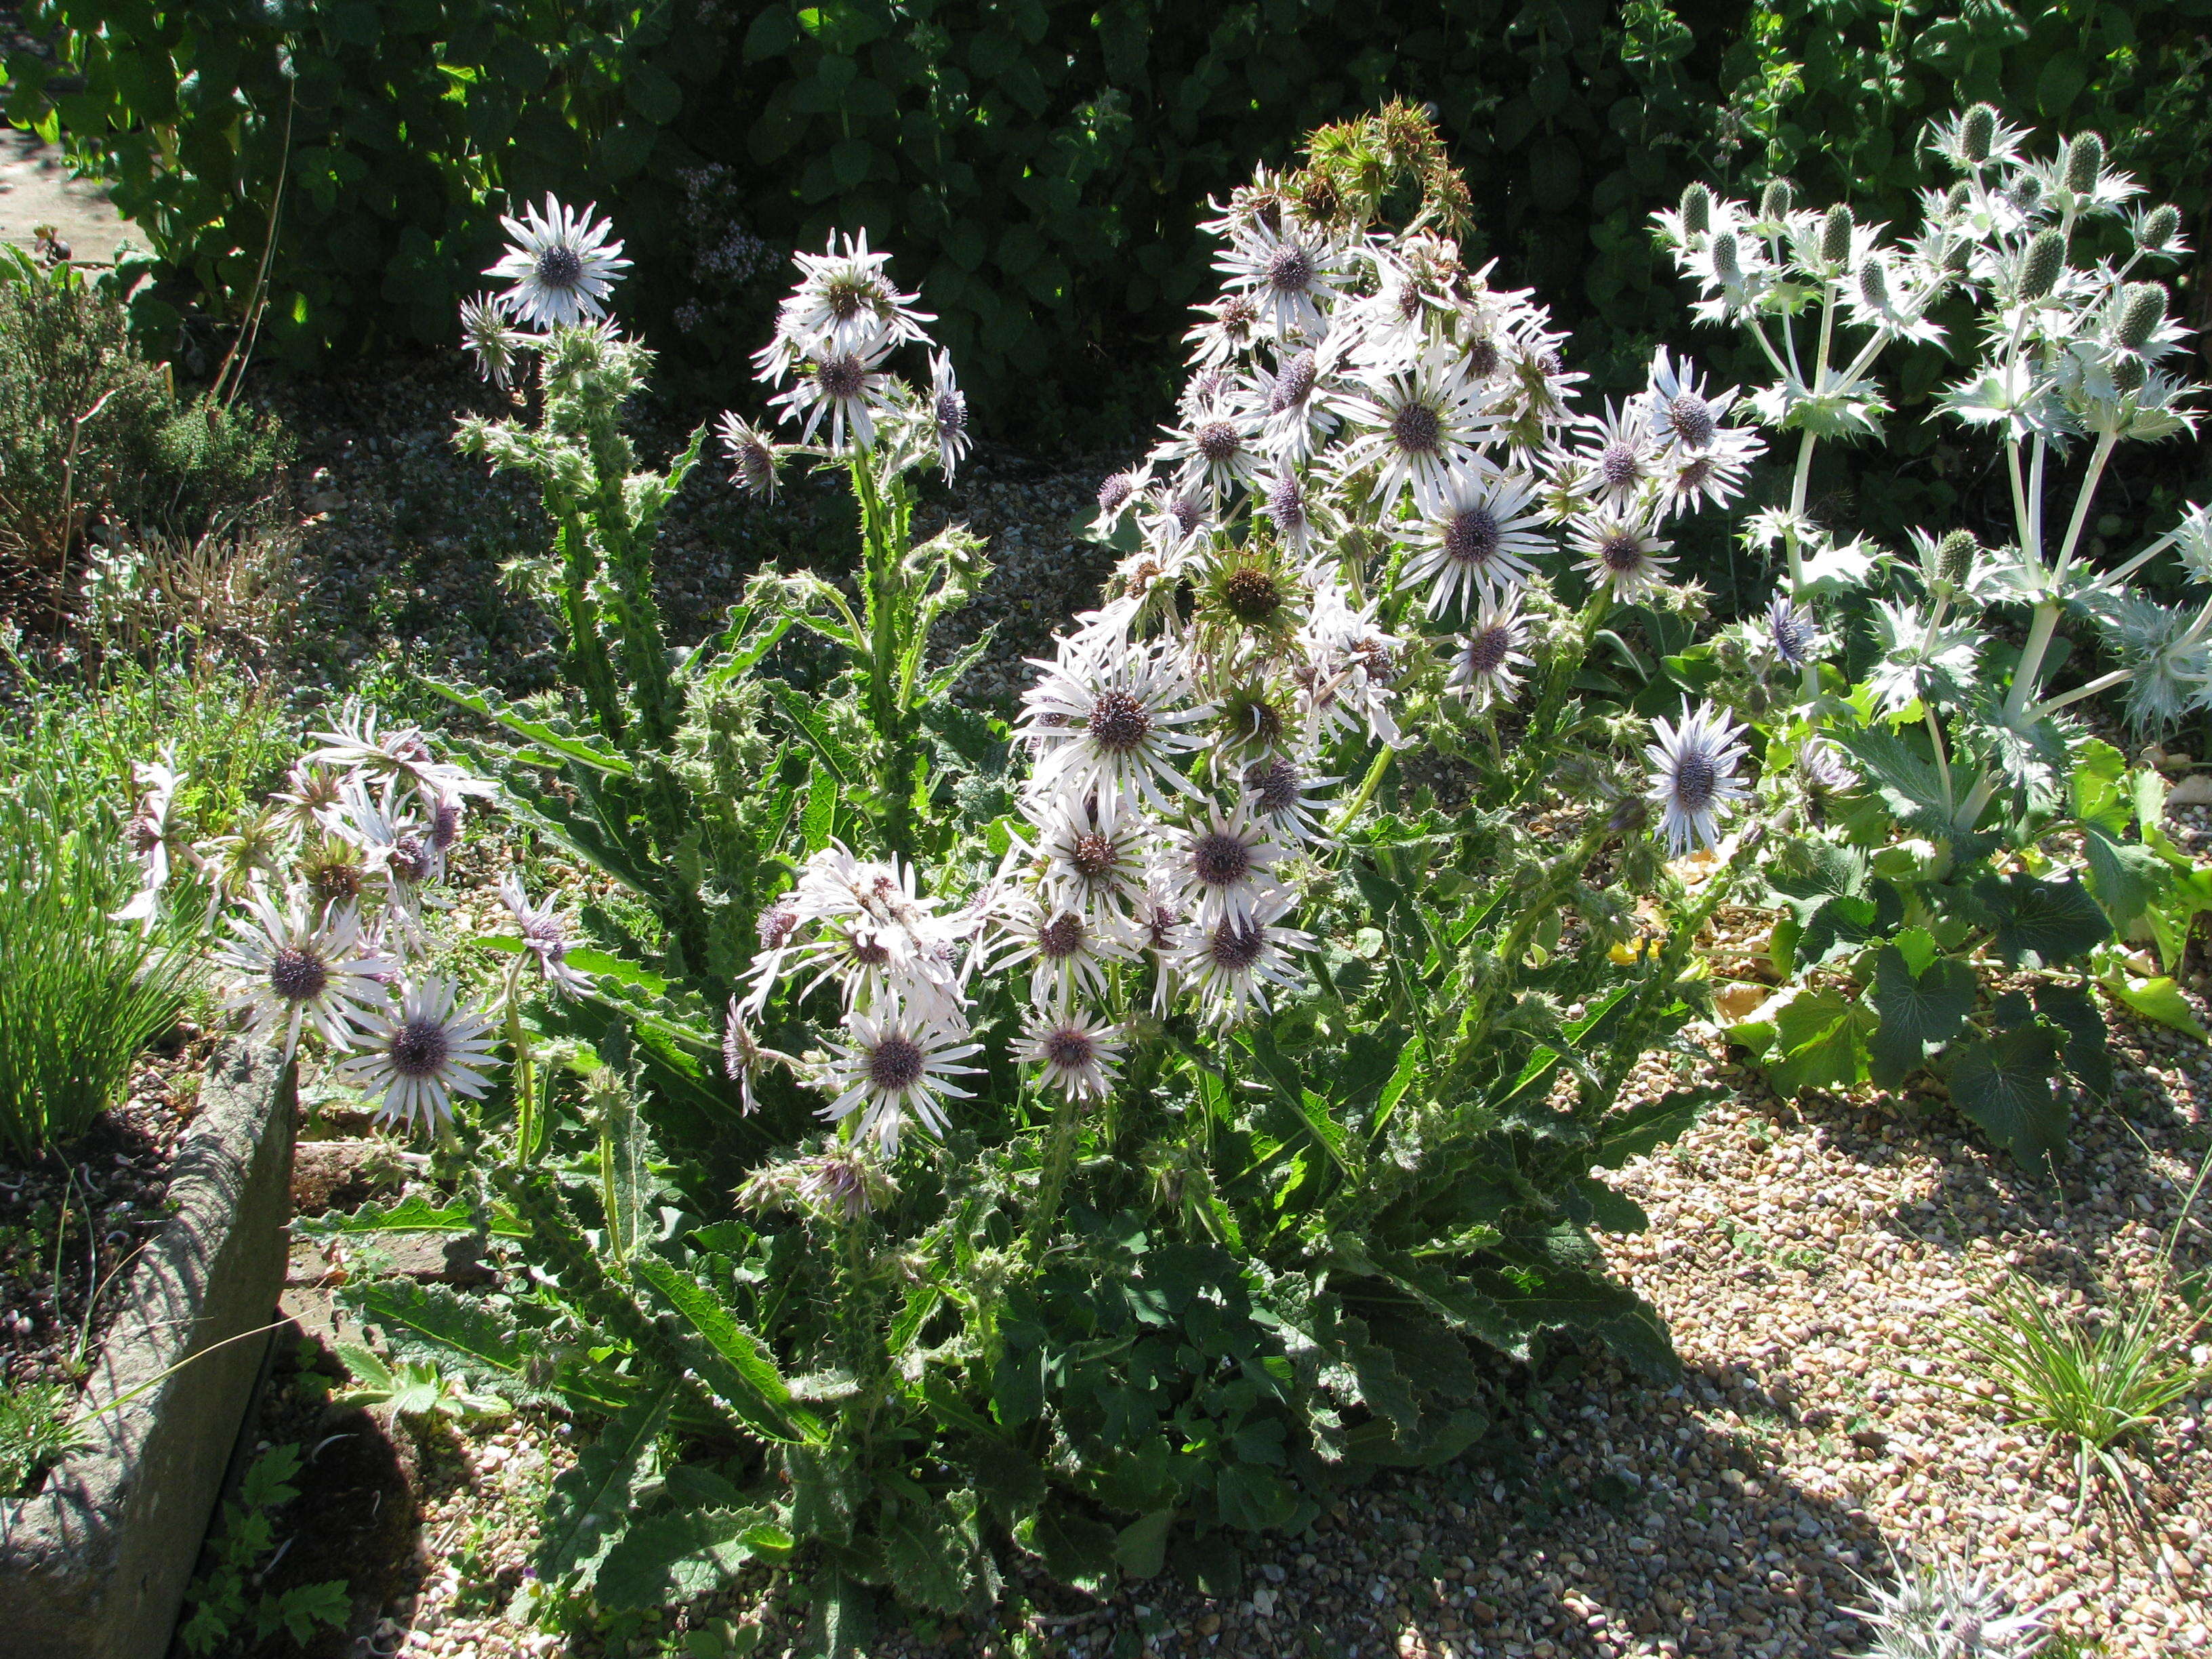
2142	308
1977	133
1774	201
1697	211
2047	257
2085	160
1958	198
1724	260
2129	375
1958	257
1874	285
2026	192
1835	235
2160	226
1630	814
1954	558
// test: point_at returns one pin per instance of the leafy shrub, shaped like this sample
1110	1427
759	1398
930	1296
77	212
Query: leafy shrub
1973	827
81	994
1126	1149
226	1604
90	429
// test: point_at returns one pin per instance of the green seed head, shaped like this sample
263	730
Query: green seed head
1774	201
1958	257
1954	558
1977	133
2160	226
1956	198
1697	211
2026	192
2085	160
1835	235
2047	257
2129	375
1724	260
2142	308
1874	284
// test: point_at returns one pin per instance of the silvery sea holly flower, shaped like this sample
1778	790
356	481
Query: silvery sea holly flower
421	1056
1623	554
562	265
1073	1053
1483	660
293	969
546	936
848	387
948	412
1693	775
755	457
497	346
1216	447
895	1070
1281	793
1227	333
149	834
1067	952
1616	457
1118	491
1112	729
1086	864
1477	541
1295	420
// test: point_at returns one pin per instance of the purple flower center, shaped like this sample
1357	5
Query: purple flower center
1094	855
561	267
1290	270
895	1063
419	1049
1251	594
1068	1049
840	376
1621	553
1294	384
1217	442
1220	861
1234	948
1472	536
1062	937
951	412
1691	417
1482	358
1275	785
1418	429
1118	722
297	974
1286	503
1619	465
1695	779
1487	650
1113	494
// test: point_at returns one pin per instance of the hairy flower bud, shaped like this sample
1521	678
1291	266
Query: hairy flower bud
2047	257
2129	375
1958	198
1697	211
2142	308
1874	285
2160	226
2026	192
1977	133
1835	235
1724	261
1954	558
2085	160
1774	201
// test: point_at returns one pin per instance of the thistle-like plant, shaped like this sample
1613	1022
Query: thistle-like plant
1948	817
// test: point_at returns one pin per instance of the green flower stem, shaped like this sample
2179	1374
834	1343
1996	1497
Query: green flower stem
1557	678
1052	1179
1368	785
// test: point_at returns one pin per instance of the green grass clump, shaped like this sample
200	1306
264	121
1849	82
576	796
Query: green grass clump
36	1430
81	995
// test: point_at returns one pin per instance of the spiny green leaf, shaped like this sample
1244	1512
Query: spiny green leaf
1075	1548
440	1325
568	745
747	1380
591	1500
669	1559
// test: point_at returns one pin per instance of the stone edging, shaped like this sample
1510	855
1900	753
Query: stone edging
95	1566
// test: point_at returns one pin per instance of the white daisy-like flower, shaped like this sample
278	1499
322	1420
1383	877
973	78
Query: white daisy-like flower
896	1070
1622	554
1292	273
1233	964
1420	429
1478	541
1073	1053
1682	415
497	346
1087	865
1112	728
421	1057
1711	477
1158	927
1296	420
1483	662
755	458
744	1056
294	970
1217	448
1067	952
562	265
1174	518
1693	775
848	387
1792	635
544	936
948	413
846	304
149	835
1282	794
1349	665
397	843
1224	863
1617	457
310	798
1232	322
1120	491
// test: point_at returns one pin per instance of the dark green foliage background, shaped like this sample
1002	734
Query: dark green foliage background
1036	167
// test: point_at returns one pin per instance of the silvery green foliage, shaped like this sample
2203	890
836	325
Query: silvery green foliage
1945	806
1941	1611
